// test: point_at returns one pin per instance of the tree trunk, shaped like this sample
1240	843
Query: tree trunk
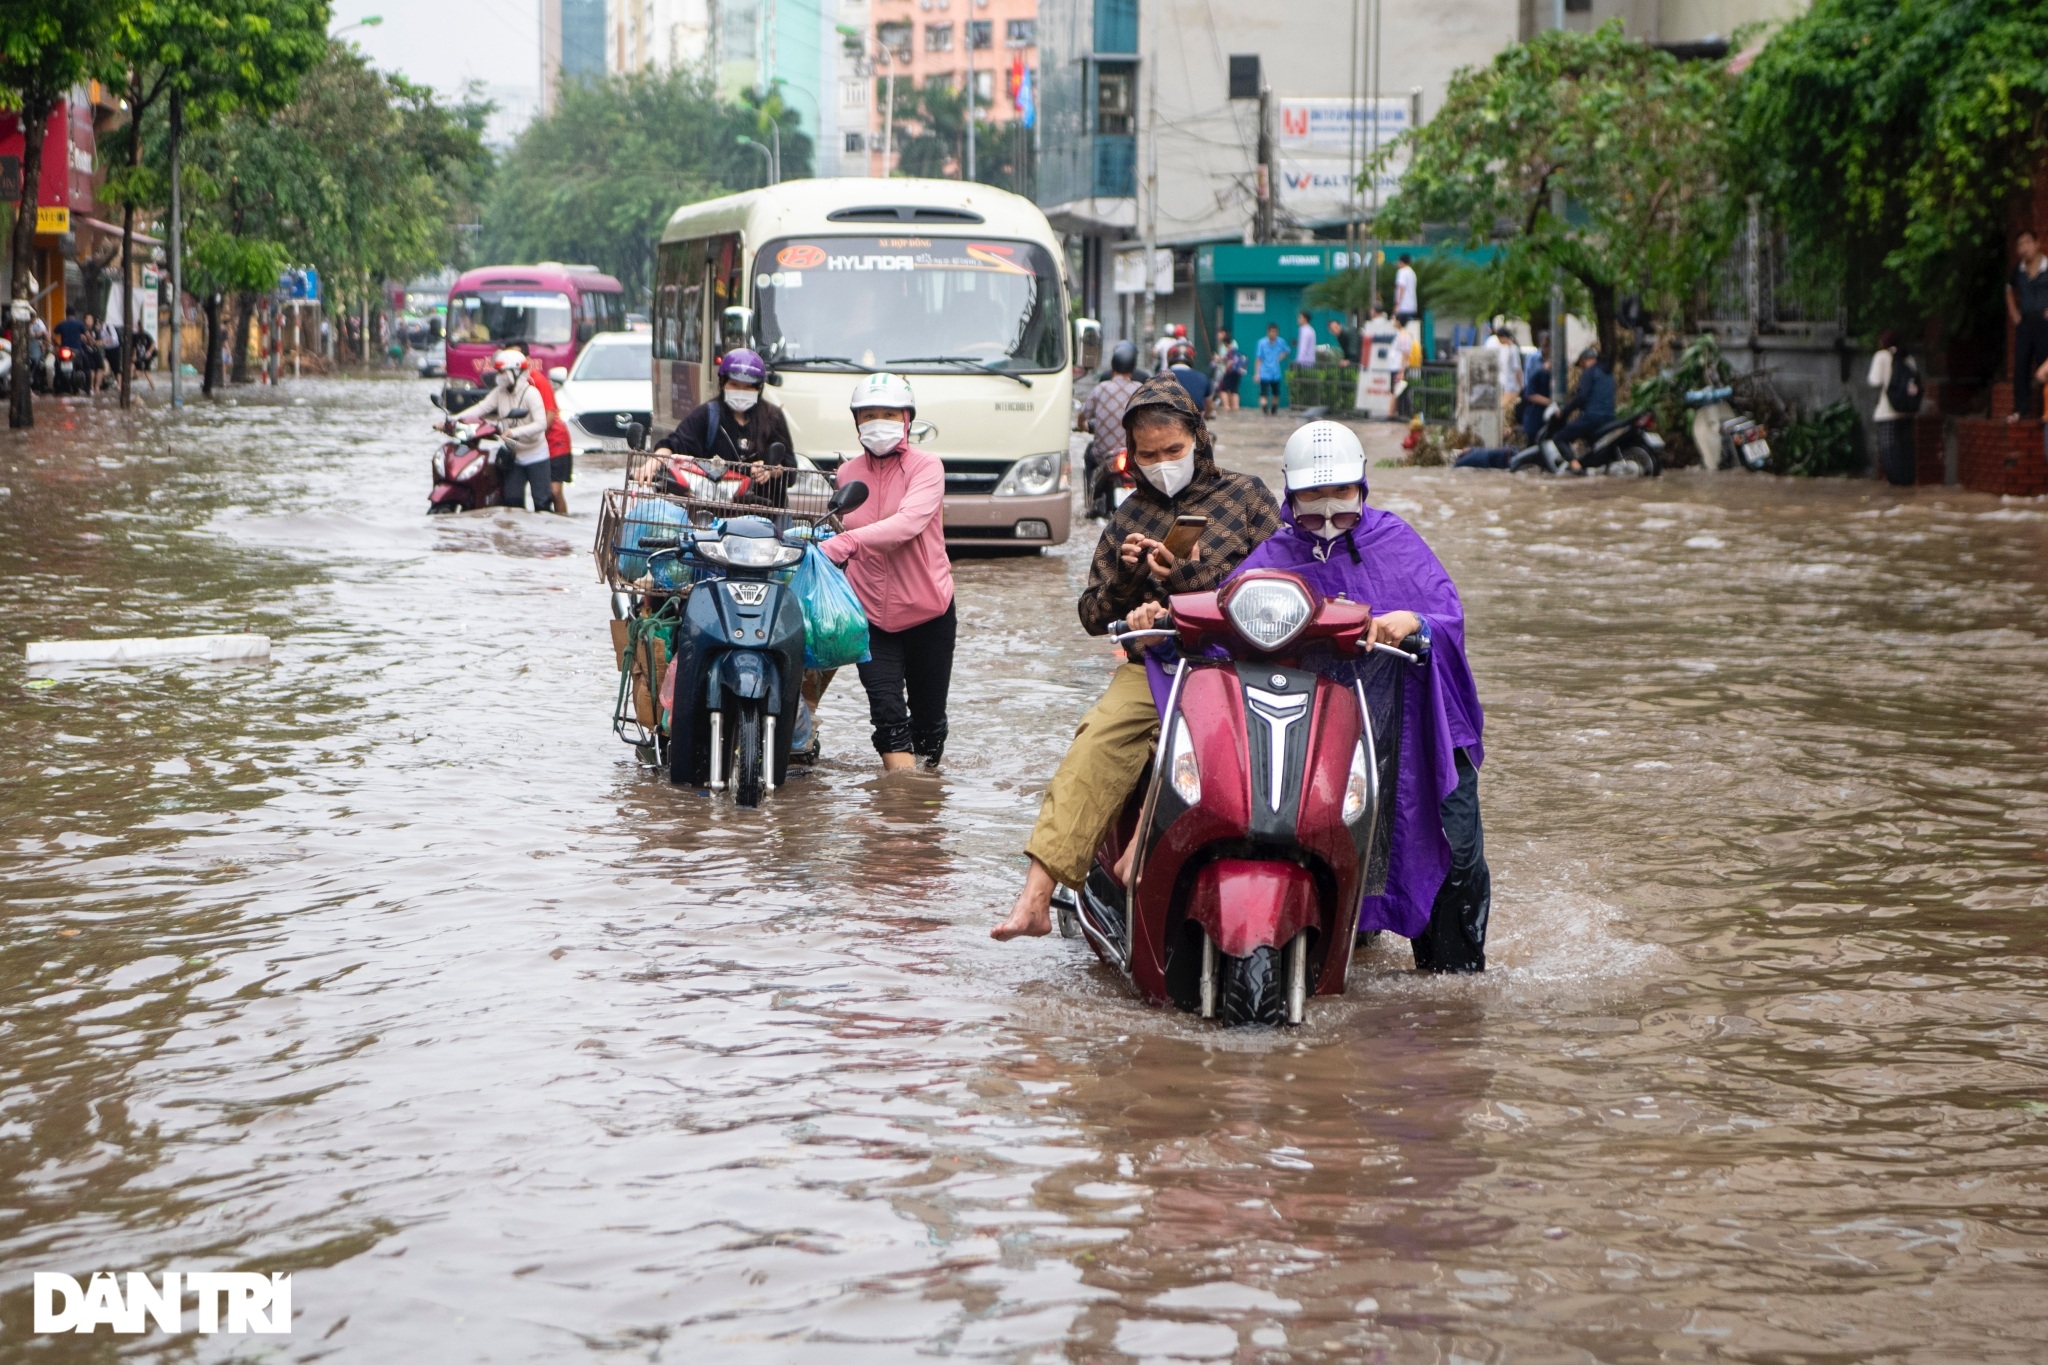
245	317
211	381
1604	325
35	121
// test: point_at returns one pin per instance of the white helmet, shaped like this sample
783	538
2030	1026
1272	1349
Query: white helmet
1321	455
883	390
509	359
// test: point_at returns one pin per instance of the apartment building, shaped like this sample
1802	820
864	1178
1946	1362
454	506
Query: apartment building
990	46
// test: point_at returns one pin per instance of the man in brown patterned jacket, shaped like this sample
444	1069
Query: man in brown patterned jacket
1130	580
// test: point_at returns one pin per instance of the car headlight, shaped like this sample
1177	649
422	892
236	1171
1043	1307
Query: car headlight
751	552
1269	612
1181	767
1032	477
1357	787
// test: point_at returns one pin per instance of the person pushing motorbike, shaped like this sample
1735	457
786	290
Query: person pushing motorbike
526	438
1439	890
736	427
1132	575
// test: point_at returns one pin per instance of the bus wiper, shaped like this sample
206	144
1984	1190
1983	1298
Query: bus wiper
968	361
795	361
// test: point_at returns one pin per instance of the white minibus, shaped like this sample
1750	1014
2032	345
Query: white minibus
957	286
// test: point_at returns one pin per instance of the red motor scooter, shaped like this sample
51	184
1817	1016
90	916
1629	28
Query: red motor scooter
465	473
1260	826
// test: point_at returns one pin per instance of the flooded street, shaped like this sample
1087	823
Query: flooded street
383	965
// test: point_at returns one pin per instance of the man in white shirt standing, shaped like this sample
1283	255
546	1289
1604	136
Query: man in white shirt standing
1405	309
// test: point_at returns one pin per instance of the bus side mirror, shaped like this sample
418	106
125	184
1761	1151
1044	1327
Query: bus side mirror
1087	344
636	436
735	327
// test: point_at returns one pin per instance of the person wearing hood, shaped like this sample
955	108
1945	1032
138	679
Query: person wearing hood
527	437
894	554
1439	890
1130	579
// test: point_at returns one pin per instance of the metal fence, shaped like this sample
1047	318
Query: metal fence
1757	289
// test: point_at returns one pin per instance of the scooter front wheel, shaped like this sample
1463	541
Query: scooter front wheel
1253	989
748	756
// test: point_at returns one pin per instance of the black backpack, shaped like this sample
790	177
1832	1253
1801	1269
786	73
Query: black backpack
1903	392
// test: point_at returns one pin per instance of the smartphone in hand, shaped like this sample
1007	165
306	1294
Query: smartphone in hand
1180	542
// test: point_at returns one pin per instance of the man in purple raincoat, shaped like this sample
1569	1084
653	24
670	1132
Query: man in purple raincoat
1438	890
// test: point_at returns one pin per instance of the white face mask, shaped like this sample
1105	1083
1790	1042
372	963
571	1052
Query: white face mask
881	437
507	378
739	400
1170	476
1327	508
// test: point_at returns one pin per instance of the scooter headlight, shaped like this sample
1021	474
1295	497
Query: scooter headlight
1181	768
752	552
1358	786
1269	612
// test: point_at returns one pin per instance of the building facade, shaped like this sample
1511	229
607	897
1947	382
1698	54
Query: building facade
988	46
1152	114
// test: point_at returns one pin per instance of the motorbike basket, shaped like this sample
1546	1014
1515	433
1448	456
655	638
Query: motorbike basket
637	514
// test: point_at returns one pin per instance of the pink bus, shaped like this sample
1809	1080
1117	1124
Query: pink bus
553	308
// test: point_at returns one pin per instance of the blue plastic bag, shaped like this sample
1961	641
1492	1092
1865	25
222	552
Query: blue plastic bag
652	519
835	623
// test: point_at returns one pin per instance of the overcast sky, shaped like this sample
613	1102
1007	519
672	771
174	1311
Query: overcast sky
448	43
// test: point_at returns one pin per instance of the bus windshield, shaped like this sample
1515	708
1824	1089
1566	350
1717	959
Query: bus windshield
498	316
909	302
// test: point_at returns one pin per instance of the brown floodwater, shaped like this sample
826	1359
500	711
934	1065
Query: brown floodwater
382	964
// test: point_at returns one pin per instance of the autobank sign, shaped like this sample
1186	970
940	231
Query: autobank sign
223	1301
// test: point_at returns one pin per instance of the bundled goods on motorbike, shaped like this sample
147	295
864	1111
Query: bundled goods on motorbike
642	518
835	624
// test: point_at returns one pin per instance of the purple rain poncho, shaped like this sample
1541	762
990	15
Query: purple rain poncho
1384	564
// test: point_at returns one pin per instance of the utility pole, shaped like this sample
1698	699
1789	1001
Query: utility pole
1557	315
888	106
177	249
968	30
1264	222
1372	275
1151	196
1351	179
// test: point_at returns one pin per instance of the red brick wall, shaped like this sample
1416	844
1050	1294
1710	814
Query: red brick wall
1997	456
1930	462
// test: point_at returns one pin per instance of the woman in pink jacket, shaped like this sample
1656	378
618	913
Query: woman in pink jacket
894	554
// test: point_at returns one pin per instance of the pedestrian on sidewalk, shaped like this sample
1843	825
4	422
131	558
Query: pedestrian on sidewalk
1897	381
1272	362
1406	306
2026	305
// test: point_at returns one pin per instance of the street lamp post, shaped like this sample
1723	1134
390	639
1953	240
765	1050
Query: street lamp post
367	21
767	157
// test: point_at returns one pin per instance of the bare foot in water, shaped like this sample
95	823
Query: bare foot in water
1031	916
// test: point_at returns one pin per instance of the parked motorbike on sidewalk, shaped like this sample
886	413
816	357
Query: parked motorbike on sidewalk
735	683
1628	447
467	472
1260	827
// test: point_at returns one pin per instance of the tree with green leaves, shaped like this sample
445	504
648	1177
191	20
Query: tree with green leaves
1891	141
930	134
595	180
210	58
1628	139
364	175
46	47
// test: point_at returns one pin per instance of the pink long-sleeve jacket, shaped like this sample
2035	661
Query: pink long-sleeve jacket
894	546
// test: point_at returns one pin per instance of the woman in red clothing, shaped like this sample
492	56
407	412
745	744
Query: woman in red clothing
894	554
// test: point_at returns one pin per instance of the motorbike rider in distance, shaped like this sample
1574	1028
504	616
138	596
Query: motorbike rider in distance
736	427
1592	401
526	439
1130	579
1438	890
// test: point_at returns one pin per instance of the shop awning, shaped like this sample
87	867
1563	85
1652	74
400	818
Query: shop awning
114	230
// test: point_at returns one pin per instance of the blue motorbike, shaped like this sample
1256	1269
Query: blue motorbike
739	651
